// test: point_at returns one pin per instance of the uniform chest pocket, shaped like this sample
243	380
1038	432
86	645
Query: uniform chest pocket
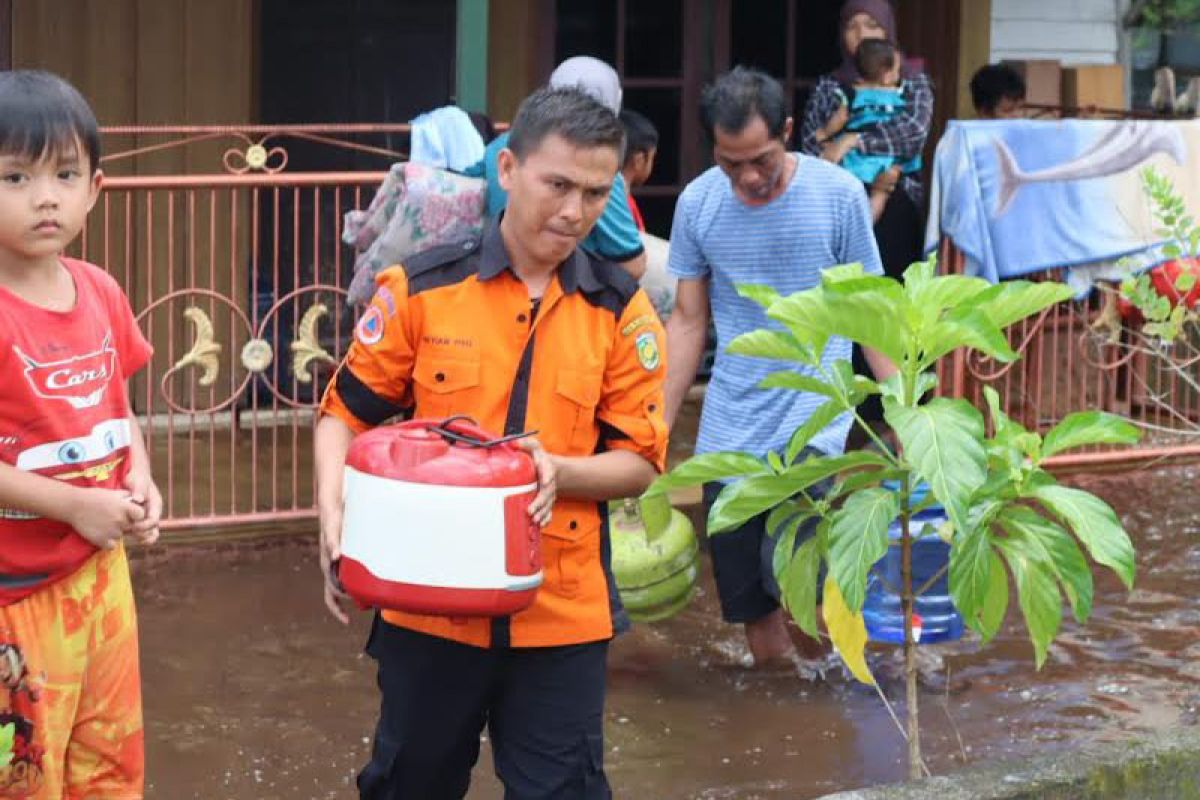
444	386
578	394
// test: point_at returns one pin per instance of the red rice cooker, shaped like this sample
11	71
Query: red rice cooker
436	521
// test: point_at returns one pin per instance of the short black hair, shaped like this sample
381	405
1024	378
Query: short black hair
42	115
640	134
735	97
993	83
567	112
874	57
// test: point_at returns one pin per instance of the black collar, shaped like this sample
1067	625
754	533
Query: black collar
574	273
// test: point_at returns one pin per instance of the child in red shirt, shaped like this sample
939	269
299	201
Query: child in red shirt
74	473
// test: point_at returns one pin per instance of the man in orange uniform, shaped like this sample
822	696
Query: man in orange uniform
523	331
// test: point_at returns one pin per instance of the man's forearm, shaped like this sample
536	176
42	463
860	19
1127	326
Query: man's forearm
880	365
331	442
685	347
605	476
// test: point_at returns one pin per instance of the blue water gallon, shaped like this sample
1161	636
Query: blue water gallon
939	620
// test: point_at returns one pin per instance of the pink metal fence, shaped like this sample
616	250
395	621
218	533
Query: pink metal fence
238	279
1077	356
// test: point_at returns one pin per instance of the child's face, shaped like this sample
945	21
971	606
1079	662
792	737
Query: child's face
641	165
44	202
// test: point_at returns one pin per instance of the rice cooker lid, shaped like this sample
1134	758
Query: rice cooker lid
416	451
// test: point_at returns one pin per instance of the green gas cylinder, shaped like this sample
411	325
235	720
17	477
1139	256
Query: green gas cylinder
655	557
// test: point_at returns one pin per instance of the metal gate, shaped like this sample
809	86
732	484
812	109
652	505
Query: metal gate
237	276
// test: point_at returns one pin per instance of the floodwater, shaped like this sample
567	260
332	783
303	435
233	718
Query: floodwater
253	692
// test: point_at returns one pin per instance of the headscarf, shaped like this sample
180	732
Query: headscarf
592	76
880	11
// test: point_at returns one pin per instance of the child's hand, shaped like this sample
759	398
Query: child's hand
836	150
103	515
145	493
834	125
886	180
838	120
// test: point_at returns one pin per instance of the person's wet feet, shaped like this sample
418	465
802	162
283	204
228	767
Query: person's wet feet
769	642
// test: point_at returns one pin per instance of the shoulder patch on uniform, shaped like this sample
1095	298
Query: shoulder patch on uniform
637	322
646	345
370	326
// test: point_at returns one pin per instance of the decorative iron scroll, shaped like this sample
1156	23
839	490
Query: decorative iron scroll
257	355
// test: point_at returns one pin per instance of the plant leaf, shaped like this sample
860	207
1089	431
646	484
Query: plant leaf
847	630
1057	549
1012	301
798	586
706	468
1088	427
945	291
874	318
797	381
842	272
752	496
864	479
779	345
943	440
787	512
995	603
858	537
964	327
760	293
1038	594
818	421
1096	525
918	274
970	574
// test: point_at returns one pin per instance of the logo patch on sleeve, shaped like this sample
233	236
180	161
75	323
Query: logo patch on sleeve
635	323
370	327
647	351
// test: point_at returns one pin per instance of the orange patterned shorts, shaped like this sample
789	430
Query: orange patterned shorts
70	689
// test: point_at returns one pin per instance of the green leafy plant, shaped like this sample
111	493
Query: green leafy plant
1007	514
1163	15
1151	322
1165	297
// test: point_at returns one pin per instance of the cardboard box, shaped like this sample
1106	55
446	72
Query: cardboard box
1099	85
1043	80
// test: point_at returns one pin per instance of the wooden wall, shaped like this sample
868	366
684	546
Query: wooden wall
147	62
518	58
1073	31
157	62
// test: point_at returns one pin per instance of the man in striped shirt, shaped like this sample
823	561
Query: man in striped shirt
762	215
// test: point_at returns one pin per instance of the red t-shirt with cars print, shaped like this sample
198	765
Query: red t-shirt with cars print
64	413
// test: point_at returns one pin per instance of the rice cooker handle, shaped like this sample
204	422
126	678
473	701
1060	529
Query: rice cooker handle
462	429
465	426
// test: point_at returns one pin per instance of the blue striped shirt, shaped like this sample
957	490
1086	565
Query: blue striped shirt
822	219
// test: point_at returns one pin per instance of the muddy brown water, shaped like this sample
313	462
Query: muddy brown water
252	692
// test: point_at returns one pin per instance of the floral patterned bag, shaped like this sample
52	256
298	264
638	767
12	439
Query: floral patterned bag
416	208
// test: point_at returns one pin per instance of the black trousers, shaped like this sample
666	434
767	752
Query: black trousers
743	558
543	707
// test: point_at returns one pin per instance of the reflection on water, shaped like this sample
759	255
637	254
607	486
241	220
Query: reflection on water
253	692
